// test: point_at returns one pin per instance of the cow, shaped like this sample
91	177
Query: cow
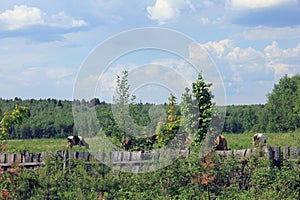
77	140
127	143
220	143
259	140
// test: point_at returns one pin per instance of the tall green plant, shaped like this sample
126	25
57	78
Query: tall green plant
122	101
166	132
197	109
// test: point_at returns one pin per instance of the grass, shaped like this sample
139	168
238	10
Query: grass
244	140
235	141
35	145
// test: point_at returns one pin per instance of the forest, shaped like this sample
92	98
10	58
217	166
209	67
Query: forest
53	118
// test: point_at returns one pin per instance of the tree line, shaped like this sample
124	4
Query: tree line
53	118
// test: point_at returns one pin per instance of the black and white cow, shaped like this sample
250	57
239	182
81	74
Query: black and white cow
259	140
77	140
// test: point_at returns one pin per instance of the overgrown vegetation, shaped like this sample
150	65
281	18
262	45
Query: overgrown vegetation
187	178
194	177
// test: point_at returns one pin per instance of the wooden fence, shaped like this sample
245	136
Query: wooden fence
138	161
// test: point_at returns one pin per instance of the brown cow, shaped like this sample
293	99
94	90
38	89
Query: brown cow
220	143
127	143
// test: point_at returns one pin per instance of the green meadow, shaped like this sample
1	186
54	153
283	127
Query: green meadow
244	140
235	141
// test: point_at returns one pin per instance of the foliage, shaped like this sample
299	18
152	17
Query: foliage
187	178
242	118
282	111
121	107
168	130
8	120
15	118
197	109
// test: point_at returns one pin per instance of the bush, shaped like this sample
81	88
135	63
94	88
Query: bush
187	178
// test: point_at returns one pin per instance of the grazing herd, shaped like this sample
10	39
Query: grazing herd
259	140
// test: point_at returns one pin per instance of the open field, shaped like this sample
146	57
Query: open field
243	141
235	141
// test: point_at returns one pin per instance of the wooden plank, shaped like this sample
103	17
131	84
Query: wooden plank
3	158
116	156
286	152
294	152
126	156
276	153
98	156
136	156
135	168
146	156
83	156
239	153
249	152
35	157
10	158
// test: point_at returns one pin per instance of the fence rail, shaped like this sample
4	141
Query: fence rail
138	161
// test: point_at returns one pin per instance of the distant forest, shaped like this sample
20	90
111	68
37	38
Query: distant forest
52	118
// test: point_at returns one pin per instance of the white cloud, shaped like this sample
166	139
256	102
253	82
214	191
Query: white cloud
241	67
283	61
254	4
164	10
238	65
218	48
64	21
22	16
272	33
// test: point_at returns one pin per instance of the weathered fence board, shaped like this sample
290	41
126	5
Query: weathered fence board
139	161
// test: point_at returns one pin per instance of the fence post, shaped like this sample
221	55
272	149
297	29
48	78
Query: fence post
65	159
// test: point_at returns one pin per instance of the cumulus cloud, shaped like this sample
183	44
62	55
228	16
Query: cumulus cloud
165	10
239	64
247	71
22	16
244	70
254	4
283	61
218	48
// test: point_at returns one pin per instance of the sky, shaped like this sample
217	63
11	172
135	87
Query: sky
45	47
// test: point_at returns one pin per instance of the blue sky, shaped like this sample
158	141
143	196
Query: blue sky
43	44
